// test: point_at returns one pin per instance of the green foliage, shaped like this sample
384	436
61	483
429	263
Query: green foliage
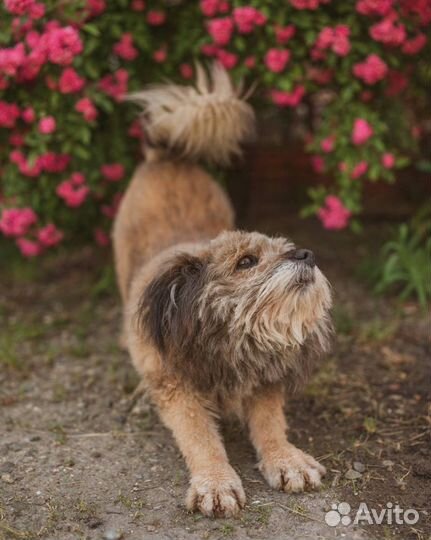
405	263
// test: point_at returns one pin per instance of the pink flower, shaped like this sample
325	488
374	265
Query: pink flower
16	139
186	71
209	49
49	235
374	7
372	70
209	7
37	11
11	59
397	82
227	59
160	55
111	210
135	130
246	18
9	113
96	7
320	76
47	125
223	6
28	248
86	107
138	5
362	131
62	45
53	163
305	4
28	115
334	215
17	221
156	18
325	38
72	195
221	30
388	33
17	157
115	85
336	38
77	179
341	44
70	82
277	59
124	48
414	45
318	164
388	160
359	169
30	170
288	99
328	144
18	7
250	62
284	33
102	239
112	171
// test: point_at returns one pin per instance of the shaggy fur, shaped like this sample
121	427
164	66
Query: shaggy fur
217	321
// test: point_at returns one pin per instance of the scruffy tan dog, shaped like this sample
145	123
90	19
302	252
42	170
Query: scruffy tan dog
216	321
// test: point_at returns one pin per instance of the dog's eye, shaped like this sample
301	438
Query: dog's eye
247	262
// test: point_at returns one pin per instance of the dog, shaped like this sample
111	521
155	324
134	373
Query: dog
217	321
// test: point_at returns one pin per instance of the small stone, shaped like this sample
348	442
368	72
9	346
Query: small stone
151	528
358	466
34	438
7	478
96	454
352	475
112	534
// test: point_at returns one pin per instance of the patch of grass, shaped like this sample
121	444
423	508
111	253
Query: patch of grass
86	510
59	432
262	513
378	329
13	335
227	529
404	264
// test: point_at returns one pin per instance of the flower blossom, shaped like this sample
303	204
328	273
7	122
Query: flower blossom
334	215
372	70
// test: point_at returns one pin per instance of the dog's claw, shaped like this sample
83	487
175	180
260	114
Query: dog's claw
216	494
292	470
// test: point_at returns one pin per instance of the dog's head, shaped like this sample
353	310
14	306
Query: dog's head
244	307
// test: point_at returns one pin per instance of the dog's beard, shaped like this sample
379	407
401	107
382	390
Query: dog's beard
278	311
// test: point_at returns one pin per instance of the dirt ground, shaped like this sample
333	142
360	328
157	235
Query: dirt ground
76	464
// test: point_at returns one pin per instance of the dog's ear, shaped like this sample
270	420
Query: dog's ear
167	310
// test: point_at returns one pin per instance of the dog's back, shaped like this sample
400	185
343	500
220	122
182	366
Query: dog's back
171	199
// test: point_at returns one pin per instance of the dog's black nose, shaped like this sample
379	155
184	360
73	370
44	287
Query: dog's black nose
304	255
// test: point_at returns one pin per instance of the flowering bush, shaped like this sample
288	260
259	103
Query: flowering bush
68	142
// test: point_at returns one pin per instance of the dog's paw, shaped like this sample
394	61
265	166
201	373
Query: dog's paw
216	494
292	470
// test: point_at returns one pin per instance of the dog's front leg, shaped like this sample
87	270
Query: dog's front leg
215	488
284	466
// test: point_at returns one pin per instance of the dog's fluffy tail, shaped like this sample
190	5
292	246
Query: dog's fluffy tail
206	121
